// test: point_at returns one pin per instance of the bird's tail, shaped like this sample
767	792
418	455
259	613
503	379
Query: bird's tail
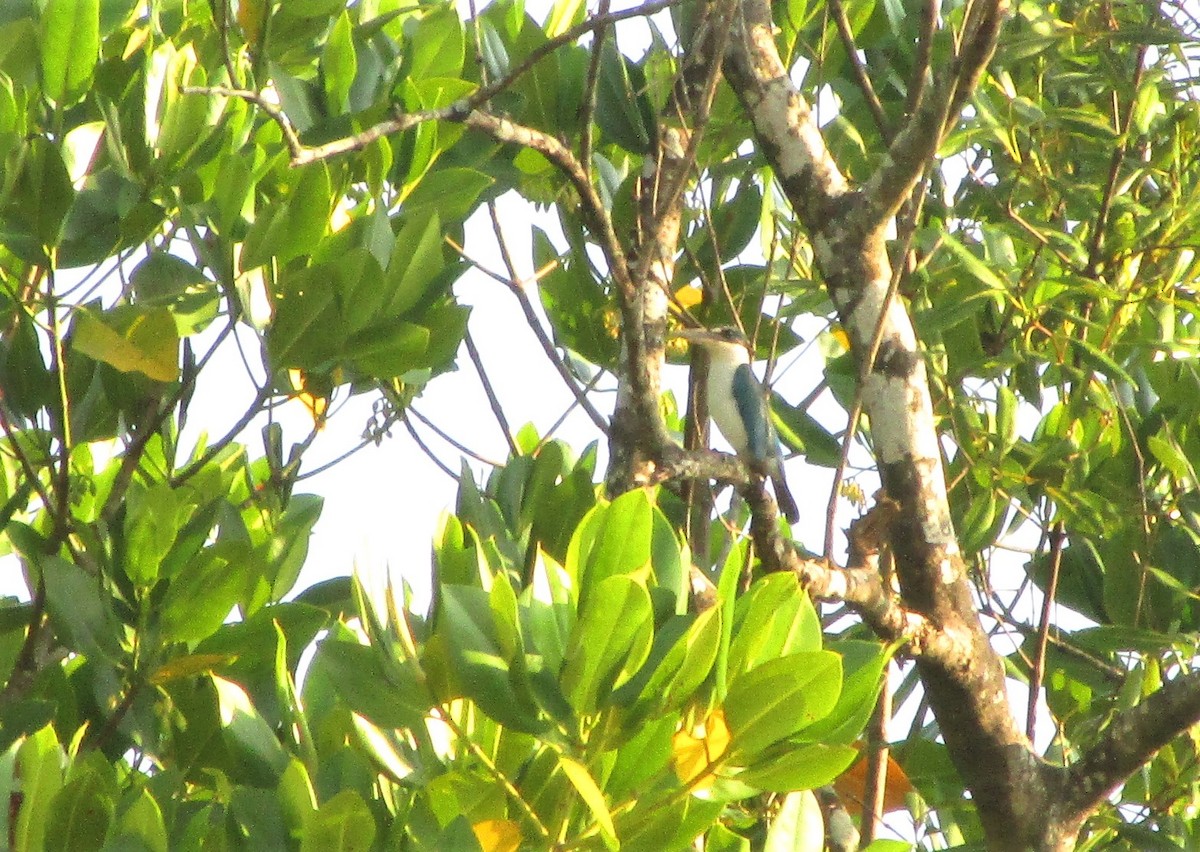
787	504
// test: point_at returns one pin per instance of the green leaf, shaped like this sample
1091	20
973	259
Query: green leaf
39	764
70	46
343	824
259	755
645	755
609	643
734	224
382	749
21	718
549	611
297	798
416	262
390	696
977	268
203	593
451	193
1101	361
141	823
153	518
798	826
618	111
721	839
623	540
312	8
799	430
976	525
863	664
1171	457
83	811
307	333
774	619
287	548
564	15
438	45
467	656
293	226
82	615
176	123
257	817
45	195
339	63
130	339
798	767
779	698
1006	418
162	278
686	665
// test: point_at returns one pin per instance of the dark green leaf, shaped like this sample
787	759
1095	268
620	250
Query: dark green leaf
343	824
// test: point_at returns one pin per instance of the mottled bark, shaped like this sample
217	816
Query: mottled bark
1023	802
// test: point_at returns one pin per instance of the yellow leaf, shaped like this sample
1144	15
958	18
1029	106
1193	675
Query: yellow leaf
130	339
688	296
316	401
189	666
695	750
250	15
498	835
592	796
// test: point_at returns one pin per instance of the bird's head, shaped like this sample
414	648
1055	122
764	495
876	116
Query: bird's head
725	341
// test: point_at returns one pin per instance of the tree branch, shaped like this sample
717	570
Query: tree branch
962	674
782	117
860	71
1129	742
918	142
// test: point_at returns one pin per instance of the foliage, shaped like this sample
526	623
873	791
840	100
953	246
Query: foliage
164	192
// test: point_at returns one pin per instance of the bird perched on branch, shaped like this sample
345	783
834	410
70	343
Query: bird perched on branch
737	403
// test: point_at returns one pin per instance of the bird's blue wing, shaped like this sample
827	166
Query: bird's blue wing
752	406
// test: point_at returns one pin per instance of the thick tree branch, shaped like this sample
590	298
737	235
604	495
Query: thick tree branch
962	674
637	434
782	117
1129	742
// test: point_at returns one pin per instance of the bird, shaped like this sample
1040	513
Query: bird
737	403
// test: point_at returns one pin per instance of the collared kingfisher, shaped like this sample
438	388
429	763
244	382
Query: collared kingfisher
737	403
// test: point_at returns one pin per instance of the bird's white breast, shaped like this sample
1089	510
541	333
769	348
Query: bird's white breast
721	404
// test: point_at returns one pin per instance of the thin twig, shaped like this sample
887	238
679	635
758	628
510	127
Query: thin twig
1037	675
588	106
875	789
496	772
425	448
860	71
195	467
58	366
562	418
334	462
490	393
921	64
1114	165
302	155
514	285
461	447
